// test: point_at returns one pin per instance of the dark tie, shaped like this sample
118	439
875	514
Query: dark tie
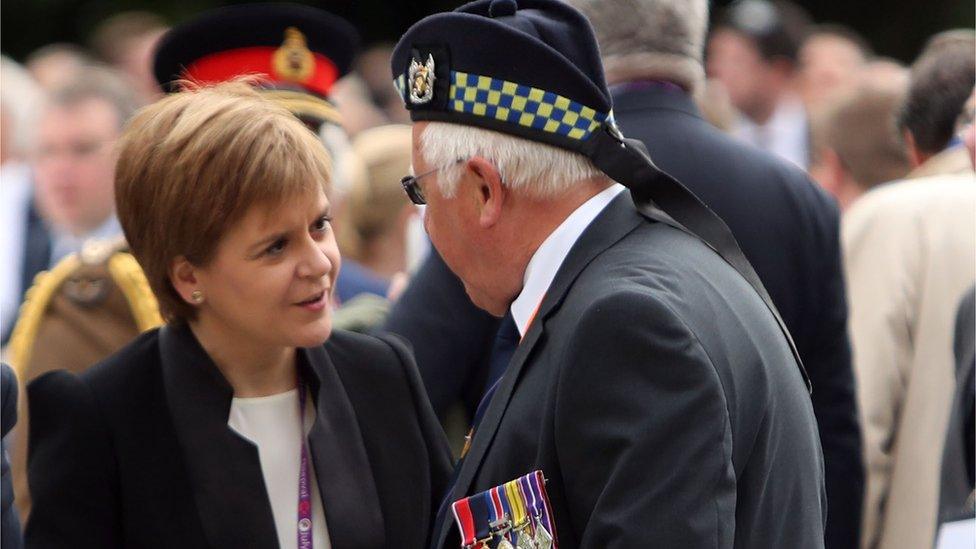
506	340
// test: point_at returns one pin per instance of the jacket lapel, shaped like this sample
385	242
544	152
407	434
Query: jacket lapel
224	468
342	467
614	222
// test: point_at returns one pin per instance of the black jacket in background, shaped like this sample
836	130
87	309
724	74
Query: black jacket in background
136	451
10	537
788	229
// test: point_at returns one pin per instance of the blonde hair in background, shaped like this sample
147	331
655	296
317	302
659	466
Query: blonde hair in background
374	203
539	170
193	163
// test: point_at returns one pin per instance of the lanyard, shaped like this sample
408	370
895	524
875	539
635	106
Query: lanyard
304	494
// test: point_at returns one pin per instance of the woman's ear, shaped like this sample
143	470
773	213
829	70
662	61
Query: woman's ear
183	277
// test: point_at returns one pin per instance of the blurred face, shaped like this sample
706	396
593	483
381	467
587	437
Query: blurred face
74	167
137	62
735	62
270	282
829	65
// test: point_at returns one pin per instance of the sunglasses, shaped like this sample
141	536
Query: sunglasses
414	191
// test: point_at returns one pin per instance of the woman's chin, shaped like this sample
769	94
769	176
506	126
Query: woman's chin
314	335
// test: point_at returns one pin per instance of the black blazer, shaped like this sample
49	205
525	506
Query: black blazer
136	452
660	399
787	227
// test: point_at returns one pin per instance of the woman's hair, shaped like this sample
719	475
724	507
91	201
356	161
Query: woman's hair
193	164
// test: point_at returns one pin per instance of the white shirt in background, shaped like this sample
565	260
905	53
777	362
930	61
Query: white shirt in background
16	190
785	134
272	424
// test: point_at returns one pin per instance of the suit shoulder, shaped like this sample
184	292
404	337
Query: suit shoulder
116	375
365	355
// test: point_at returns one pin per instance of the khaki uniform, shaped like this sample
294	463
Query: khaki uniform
87	307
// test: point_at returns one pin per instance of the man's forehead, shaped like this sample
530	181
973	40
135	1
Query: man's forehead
91	110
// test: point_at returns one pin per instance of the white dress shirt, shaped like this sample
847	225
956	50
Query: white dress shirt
549	256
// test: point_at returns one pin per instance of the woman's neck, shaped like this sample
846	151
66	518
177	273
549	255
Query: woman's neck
252	370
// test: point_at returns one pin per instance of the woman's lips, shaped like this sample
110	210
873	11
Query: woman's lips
314	303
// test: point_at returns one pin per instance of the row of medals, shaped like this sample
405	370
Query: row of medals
524	539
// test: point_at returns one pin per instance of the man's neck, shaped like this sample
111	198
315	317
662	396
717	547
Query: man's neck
550	243
252	370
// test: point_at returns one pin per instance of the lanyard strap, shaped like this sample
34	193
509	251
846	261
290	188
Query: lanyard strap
304	494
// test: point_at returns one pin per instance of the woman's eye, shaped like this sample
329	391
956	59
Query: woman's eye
321	223
276	247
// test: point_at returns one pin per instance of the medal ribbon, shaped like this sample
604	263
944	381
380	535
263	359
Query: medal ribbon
537	484
304	494
515	500
474	515
523	500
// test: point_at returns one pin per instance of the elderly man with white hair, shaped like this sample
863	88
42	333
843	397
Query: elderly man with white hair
649	391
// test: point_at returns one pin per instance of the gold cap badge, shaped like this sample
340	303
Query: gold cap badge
293	61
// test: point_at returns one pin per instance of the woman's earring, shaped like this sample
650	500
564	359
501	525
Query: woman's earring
197	296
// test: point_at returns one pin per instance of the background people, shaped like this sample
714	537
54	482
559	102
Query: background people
909	255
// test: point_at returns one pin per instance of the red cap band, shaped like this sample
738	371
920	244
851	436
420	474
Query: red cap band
225	65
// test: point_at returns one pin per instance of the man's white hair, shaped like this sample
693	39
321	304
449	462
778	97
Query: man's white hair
662	39
539	170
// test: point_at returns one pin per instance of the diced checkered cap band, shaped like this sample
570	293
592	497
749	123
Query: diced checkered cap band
518	104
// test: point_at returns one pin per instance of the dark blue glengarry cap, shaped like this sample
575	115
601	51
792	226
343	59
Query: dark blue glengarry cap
532	69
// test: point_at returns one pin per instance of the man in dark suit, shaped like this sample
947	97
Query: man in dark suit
786	225
653	394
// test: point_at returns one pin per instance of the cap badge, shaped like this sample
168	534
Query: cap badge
421	79
293	61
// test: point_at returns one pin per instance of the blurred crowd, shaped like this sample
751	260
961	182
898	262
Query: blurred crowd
893	144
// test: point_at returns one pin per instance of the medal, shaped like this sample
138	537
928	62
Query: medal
524	539
543	540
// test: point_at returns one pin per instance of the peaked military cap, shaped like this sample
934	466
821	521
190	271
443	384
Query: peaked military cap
301	51
532	69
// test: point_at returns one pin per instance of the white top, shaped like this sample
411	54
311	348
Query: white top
272	424
15	197
785	134
549	257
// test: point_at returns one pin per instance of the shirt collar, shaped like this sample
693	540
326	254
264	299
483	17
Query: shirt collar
549	256
64	243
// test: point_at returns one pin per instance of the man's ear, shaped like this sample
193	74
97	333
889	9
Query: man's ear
915	156
491	192
183	277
